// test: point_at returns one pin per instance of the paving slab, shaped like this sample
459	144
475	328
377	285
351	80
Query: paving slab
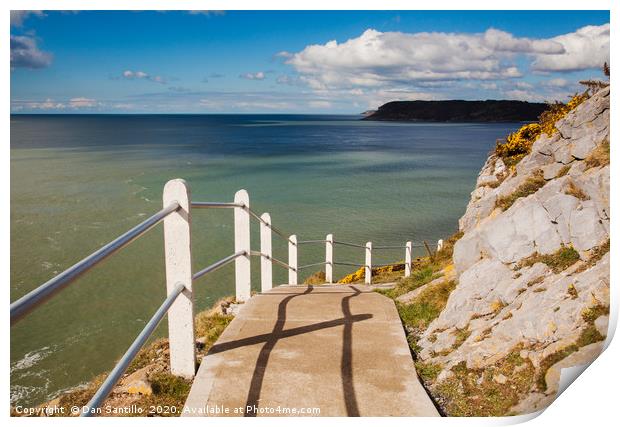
328	350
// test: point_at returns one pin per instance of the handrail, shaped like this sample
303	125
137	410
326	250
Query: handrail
385	265
277	261
390	247
302	242
312	265
350	263
216	205
38	296
218	264
349	244
104	390
273	228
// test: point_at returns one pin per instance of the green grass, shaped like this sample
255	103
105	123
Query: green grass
589	335
419	277
557	261
428	371
474	393
426	307
531	185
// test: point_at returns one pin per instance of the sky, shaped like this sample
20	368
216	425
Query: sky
320	62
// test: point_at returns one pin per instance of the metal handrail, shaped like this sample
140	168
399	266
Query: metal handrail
349	244
302	242
391	263
312	265
38	296
268	224
277	261
389	247
218	264
216	205
350	263
104	390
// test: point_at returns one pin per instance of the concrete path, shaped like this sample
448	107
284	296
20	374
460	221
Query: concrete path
338	348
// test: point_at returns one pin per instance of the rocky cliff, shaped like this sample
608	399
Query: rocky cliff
532	271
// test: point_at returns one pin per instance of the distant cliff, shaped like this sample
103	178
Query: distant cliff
458	111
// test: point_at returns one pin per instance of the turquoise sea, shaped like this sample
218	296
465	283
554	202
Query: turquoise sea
78	181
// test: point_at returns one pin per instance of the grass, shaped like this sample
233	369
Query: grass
428	371
563	171
599	156
572	190
474	392
557	261
595	256
316	278
211	326
419	277
426	307
589	335
531	185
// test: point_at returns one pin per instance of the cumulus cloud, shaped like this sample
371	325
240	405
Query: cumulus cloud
26	54
253	76
130	75
586	48
387	59
19	16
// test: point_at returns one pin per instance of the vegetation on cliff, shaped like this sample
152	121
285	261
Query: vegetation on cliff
458	111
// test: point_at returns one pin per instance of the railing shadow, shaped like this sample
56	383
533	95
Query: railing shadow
346	363
278	332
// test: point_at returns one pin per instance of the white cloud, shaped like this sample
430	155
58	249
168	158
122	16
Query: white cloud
586	48
26	54
253	76
377	58
19	16
82	103
50	104
377	67
129	74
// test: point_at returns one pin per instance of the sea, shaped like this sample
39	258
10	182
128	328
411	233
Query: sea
79	181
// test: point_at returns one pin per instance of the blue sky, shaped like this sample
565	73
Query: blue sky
295	62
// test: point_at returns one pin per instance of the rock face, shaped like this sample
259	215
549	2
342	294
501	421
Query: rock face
504	298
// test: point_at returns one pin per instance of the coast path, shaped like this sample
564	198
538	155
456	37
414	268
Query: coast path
338	348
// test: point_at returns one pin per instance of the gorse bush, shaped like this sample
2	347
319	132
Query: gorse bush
519	143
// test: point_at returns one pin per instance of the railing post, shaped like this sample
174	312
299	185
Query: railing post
368	264
178	257
292	260
266	264
243	285
439	245
329	258
408	249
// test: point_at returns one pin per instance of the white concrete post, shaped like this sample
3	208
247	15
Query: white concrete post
408	249
329	258
178	258
292	260
266	264
243	285
368	267
439	245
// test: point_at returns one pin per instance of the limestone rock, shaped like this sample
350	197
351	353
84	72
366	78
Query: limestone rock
507	306
137	383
